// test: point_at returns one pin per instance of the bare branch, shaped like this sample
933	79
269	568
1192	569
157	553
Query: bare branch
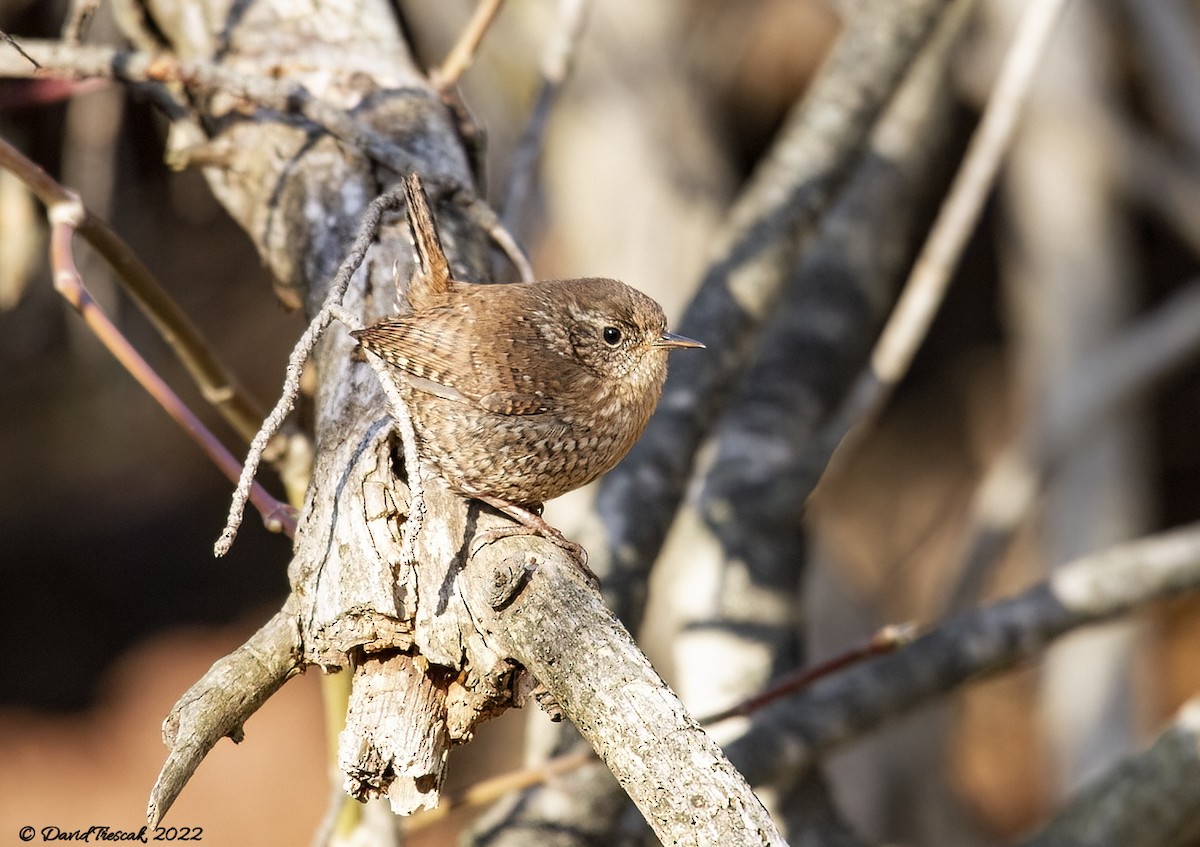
217	385
1168	52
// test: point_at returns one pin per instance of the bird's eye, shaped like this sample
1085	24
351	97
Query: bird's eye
612	336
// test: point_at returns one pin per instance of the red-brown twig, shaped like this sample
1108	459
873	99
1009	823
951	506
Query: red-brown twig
65	216
216	383
884	641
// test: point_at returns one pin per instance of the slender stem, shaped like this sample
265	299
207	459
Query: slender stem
884	641
462	54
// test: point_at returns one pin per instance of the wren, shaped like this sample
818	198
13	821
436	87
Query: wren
521	392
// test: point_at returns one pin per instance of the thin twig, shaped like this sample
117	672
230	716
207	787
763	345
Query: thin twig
926	286
216	383
489	790
485	217
884	641
556	66
300	353
462	54
64	218
13	43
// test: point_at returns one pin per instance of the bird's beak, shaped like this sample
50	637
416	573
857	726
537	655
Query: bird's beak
670	339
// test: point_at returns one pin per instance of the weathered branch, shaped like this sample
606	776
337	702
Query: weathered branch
222	700
414	623
560	630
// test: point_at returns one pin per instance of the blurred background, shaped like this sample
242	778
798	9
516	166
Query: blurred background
113	605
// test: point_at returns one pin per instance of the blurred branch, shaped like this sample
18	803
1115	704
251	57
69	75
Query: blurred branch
557	61
488	791
751	541
791	734
777	211
1160	178
1108	380
1168	51
926	285
1150	798
217	385
462	54
76	25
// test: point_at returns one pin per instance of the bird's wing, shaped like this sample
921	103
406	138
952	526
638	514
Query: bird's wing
499	374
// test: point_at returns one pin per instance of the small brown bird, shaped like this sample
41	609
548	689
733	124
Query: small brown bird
521	392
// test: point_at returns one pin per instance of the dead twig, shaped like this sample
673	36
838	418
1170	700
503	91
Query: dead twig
300	354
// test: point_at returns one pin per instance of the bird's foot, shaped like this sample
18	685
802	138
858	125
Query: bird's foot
531	523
